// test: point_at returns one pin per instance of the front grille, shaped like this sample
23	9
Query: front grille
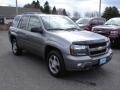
97	49
97	45
98	52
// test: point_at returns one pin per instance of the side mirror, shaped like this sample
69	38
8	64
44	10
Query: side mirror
37	30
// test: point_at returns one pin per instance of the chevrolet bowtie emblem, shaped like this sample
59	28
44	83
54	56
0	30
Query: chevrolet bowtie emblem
100	48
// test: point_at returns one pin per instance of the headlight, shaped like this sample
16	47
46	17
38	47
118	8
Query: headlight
78	50
114	32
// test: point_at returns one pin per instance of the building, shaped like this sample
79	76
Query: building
7	13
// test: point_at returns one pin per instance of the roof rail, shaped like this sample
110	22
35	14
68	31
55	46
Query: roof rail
32	13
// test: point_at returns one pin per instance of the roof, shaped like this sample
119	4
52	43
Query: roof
39	14
6	11
87	18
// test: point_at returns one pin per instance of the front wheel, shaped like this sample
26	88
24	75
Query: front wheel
55	63
15	49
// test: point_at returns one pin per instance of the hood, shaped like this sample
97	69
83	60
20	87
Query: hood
74	36
108	27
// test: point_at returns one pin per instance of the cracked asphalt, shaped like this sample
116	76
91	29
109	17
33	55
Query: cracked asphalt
29	72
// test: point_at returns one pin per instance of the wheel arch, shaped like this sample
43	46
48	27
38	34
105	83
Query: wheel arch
12	37
48	48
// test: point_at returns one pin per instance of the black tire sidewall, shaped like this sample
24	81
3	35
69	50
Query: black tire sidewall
18	52
61	61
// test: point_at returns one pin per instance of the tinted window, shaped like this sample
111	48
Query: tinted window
33	23
15	21
101	21
98	21
23	22
94	21
83	21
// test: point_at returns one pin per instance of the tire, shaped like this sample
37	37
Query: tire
15	49
55	64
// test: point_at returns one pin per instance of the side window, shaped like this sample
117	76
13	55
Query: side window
23	22
33	23
15	21
101	21
94	22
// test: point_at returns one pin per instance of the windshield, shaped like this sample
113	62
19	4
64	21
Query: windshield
113	21
58	23
83	21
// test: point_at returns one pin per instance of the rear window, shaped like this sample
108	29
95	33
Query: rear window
101	21
15	21
98	21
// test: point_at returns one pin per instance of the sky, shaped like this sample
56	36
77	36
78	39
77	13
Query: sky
81	6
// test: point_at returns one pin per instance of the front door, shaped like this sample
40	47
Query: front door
35	40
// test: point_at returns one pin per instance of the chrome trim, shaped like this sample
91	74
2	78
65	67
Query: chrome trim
98	48
94	55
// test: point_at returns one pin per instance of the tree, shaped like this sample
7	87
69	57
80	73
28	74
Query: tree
47	8
76	15
64	12
27	6
37	4
34	4
42	9
54	11
60	11
92	14
110	12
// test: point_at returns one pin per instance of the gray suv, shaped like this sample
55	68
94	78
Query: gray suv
59	41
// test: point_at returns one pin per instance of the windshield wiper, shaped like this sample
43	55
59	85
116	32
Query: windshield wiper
64	29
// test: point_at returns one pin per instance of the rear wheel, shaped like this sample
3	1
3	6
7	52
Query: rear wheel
15	49
55	63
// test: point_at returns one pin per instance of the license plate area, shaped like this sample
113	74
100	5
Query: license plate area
103	61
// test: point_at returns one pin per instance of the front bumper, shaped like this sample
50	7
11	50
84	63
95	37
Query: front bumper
82	62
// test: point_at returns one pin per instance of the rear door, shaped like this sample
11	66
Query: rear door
13	27
22	31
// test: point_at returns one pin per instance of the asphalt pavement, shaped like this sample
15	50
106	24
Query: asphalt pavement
29	72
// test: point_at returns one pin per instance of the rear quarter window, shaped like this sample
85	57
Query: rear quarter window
23	22
16	21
